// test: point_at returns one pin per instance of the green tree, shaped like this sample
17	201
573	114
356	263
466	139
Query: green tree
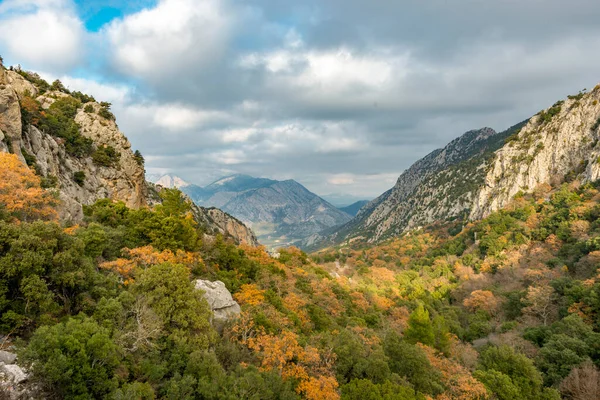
76	359
420	328
510	375
184	313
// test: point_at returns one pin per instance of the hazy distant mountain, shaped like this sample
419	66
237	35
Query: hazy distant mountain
171	181
353	208
280	212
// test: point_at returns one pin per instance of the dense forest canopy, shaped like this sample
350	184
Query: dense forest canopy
505	308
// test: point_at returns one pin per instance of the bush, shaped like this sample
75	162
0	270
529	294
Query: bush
76	359
89	109
105	111
106	156
79	177
139	158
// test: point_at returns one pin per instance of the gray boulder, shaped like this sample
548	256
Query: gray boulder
13	373
222	304
7	357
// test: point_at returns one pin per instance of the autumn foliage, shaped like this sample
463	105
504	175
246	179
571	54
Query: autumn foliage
21	195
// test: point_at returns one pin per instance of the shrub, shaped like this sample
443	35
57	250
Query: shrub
89	109
79	177
139	158
106	156
105	111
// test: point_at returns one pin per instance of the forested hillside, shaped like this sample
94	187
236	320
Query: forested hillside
503	308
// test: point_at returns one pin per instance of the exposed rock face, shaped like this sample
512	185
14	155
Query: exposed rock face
13	373
7	357
219	299
543	151
124	181
480	173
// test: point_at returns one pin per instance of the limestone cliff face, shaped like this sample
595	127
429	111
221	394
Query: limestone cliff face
547	149
123	181
482	171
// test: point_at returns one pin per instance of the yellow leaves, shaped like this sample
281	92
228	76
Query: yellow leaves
459	383
249	294
319	388
481	300
21	194
284	354
71	230
146	256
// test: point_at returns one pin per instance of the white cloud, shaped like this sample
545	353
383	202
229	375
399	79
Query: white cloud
172	37
42	34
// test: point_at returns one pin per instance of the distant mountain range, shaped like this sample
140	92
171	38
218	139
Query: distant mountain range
280	212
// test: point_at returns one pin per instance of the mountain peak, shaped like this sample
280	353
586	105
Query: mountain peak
171	181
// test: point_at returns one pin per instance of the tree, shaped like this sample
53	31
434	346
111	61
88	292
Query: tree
539	302
76	359
183	312
420	328
583	383
21	194
481	300
510	375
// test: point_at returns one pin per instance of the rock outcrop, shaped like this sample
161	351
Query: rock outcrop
222	304
82	179
482	171
122	181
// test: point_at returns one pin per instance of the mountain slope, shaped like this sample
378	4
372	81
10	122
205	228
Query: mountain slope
74	144
280	211
354	208
481	171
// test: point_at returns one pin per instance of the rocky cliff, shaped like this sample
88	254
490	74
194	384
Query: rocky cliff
75	145
481	171
557	143
80	179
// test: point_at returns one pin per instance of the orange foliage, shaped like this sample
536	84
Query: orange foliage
481	300
250	294
284	354
459	383
143	257
319	388
20	192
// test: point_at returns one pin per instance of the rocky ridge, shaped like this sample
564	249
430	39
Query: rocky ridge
81	179
481	171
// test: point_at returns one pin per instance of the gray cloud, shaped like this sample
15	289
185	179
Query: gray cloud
341	95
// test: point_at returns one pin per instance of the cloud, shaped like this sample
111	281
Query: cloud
171	38
42	34
341	95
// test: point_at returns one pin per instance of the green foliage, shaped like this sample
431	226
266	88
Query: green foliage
510	375
76	359
183	312
104	111
364	389
79	177
106	156
546	116
88	109
420	328
59	121
139	158
43	273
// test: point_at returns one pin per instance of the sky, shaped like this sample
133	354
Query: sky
340	95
